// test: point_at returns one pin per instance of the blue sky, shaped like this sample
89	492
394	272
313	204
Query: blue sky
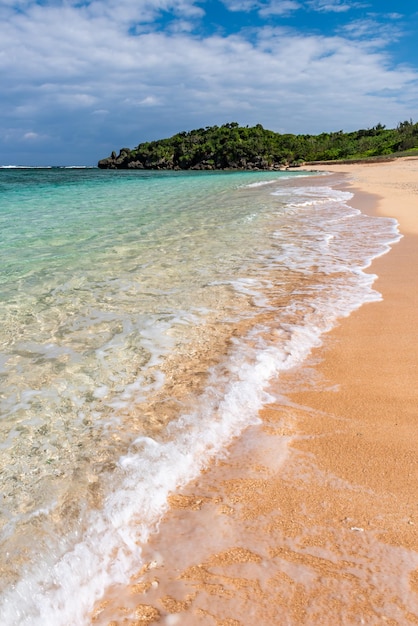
79	79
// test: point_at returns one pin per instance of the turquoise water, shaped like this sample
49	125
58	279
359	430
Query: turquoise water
143	315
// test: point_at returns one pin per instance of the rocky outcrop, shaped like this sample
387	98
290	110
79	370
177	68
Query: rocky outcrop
115	162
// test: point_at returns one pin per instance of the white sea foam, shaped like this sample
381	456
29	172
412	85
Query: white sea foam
317	193
284	175
260	183
108	551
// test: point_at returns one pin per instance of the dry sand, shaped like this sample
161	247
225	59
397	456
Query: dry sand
312	519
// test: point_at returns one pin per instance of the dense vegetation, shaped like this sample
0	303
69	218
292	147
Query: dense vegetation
235	147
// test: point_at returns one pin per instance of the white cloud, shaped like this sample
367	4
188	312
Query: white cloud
18	135
372	29
279	7
142	12
30	136
241	5
336	6
75	100
263	7
150	101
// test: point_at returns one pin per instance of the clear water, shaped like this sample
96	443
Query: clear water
143	315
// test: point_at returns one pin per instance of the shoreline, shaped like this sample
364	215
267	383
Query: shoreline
312	517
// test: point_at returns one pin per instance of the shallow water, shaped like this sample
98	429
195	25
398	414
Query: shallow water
143	315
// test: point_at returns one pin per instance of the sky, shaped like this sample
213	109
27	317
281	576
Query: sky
80	78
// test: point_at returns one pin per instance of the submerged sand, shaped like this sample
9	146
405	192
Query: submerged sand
312	518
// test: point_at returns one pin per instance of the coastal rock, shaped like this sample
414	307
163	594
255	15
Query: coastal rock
107	163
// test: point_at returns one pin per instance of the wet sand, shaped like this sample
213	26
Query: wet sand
312	518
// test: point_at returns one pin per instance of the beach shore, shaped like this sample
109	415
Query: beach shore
312	518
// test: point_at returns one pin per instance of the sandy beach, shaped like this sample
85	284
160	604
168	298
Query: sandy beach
312	518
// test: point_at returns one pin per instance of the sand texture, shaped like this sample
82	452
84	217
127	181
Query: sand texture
312	518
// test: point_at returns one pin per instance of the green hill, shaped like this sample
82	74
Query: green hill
236	147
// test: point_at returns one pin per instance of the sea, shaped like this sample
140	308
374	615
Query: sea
144	315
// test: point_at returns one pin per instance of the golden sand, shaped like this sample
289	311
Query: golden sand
312	519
